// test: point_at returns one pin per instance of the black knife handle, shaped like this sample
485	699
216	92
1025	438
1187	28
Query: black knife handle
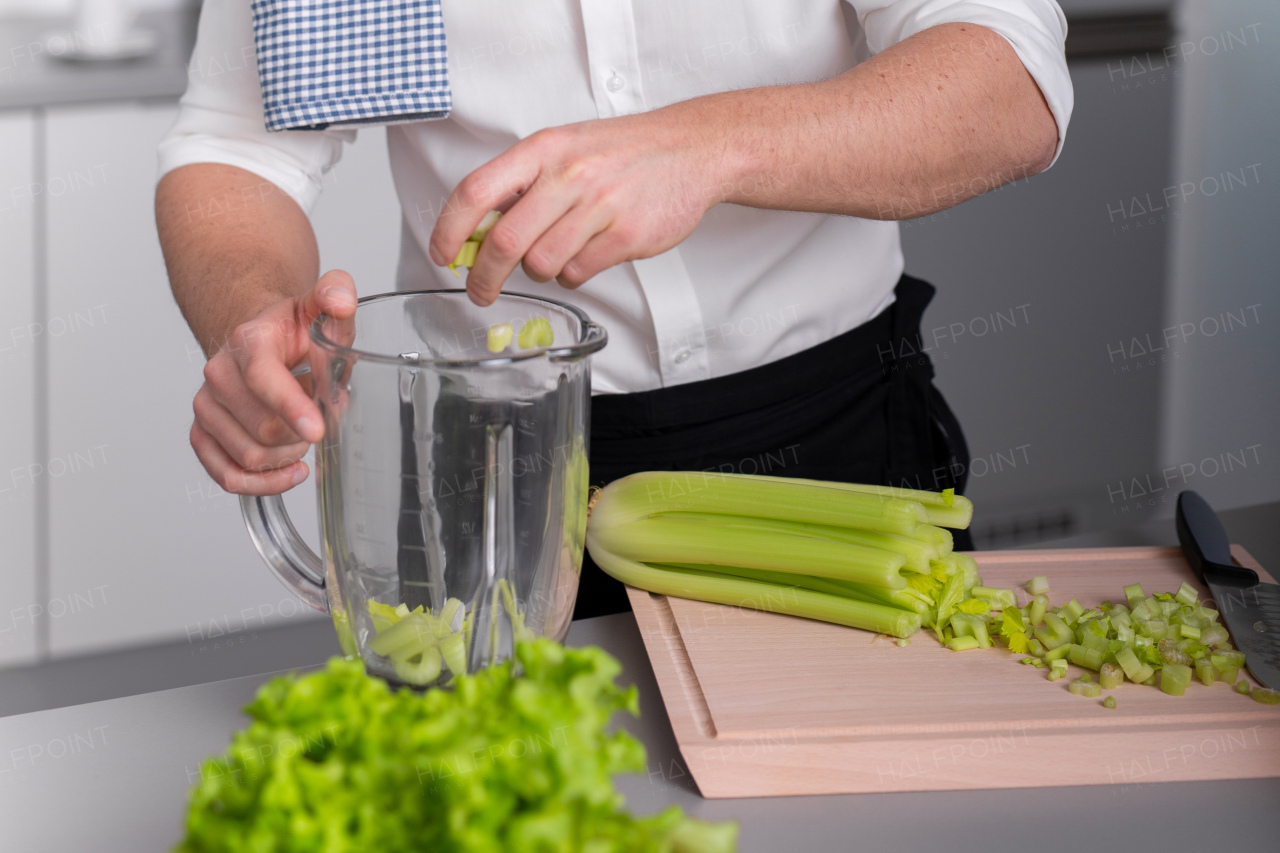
1199	530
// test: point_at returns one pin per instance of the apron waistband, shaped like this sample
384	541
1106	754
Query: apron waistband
874	344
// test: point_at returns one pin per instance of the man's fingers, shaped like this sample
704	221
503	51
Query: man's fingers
246	451
611	246
232	478
507	243
272	383
491	187
226	382
334	294
545	259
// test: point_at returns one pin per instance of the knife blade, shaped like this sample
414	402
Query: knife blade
1249	608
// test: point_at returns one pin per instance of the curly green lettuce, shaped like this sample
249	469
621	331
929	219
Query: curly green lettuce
338	762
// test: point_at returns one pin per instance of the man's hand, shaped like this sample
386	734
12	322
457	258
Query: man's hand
254	422
581	198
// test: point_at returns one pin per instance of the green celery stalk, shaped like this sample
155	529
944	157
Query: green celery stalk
906	599
957	513
961	644
918	552
757	595
647	493
667	540
1110	676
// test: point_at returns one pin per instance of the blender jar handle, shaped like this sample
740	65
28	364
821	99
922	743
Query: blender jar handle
284	551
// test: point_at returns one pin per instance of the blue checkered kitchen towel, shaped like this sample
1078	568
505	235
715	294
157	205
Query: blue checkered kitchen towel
329	63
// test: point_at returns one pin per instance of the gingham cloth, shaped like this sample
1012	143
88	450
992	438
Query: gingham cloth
341	62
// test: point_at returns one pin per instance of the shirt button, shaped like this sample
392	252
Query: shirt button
615	83
682	356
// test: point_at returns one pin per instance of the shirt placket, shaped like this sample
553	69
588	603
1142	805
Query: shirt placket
613	59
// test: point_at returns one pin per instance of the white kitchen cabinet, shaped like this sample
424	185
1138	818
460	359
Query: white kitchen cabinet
20	601
135	523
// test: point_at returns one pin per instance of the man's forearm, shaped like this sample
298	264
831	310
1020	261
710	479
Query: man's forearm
233	244
926	124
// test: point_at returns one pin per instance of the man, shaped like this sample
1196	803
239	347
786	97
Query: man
716	182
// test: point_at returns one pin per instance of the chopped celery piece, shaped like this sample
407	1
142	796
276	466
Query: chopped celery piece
536	332
1229	658
1059	653
1027	661
1133	669
1036	647
422	670
1038	663
997	597
1171	654
1056	674
1266	695
1109	702
412	630
1227	665
499	338
1106	606
1088	658
466	256
1054	632
1110	676
1213	636
1038	585
1242	686
1071	612
1174	678
974	606
1093	642
1089	615
453	649
1039	605
960	644
967	625
1152	680
1089	689
1204	671
902	642
1188	631
489	220
1133	594
1154	629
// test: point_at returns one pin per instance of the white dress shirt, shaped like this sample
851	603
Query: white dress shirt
749	286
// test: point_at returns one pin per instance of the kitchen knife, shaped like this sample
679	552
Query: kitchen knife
1250	609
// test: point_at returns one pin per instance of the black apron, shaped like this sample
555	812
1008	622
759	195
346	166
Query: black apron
859	408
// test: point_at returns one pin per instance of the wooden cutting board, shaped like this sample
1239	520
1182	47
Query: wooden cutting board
768	705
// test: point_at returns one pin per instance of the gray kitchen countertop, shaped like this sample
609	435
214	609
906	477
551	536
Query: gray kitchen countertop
33	75
113	776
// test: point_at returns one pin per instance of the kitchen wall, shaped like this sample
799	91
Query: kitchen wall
1075	329
1220	413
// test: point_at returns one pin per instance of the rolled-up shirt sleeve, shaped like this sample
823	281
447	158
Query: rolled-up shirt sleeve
220	116
1036	29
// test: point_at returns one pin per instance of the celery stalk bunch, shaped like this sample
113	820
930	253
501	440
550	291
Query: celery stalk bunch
867	557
